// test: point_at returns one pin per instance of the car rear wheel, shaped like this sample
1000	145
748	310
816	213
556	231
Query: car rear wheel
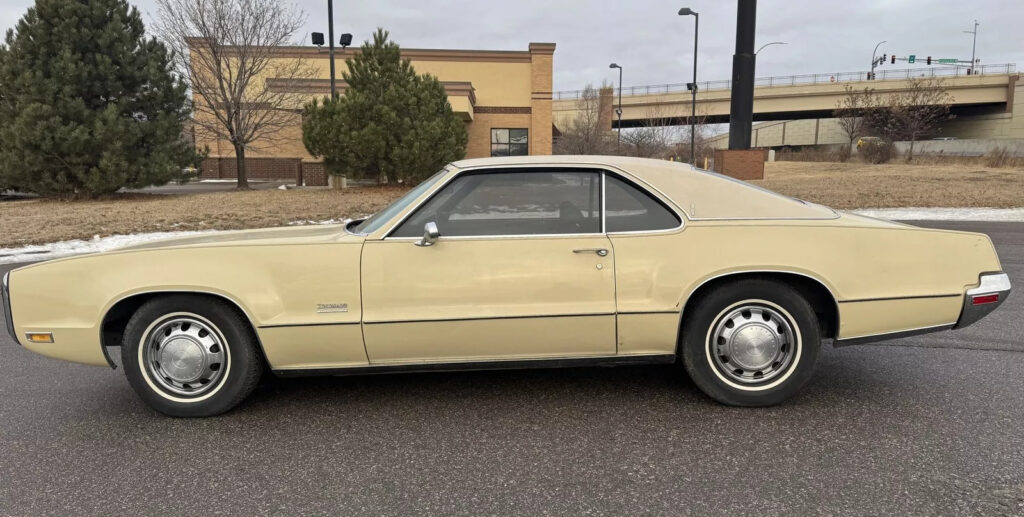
751	343
190	355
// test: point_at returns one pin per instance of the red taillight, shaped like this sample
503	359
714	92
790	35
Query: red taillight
984	298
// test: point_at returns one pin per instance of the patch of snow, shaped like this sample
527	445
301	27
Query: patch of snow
944	214
325	221
76	247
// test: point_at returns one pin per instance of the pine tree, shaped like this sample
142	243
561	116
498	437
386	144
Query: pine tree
87	103
390	124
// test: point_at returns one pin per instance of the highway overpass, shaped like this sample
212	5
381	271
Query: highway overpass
989	91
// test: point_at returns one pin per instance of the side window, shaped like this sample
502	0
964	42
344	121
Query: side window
512	203
630	209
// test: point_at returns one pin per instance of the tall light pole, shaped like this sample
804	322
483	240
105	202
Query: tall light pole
686	11
874	61
769	44
974	45
618	111
330	34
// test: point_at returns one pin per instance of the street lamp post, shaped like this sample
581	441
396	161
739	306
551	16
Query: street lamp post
686	11
618	111
330	35
874	61
974	46
769	44
318	40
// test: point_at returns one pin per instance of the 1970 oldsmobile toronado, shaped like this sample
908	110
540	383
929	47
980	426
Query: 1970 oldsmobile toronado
508	263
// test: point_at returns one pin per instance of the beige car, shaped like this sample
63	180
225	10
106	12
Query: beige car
510	263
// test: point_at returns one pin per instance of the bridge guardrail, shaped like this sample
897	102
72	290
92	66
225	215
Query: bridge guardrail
793	80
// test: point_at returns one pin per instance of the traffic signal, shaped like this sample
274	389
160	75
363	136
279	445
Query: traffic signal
894	59
929	60
884	57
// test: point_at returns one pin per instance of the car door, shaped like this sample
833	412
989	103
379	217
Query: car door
521	270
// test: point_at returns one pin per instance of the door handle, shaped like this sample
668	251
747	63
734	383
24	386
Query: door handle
601	252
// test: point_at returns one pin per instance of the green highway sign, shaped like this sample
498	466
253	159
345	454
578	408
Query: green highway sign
911	58
947	61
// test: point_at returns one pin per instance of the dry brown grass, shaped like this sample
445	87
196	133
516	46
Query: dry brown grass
890	185
840	185
39	221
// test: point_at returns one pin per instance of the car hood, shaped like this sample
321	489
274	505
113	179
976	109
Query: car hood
286	235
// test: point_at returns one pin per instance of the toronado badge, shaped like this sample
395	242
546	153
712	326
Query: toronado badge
331	307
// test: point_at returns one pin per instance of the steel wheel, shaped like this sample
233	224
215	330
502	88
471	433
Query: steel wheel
185	355
752	343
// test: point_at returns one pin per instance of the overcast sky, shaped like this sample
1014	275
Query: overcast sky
655	46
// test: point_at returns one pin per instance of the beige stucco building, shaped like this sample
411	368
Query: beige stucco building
504	96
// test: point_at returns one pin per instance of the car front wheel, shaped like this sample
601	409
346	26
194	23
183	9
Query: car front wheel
190	355
751	343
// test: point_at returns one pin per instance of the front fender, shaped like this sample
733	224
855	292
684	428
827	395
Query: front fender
275	285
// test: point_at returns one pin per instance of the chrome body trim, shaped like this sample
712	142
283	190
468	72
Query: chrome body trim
991	283
890	298
988	283
498	364
5	305
488	318
430	235
884	336
29	339
248	317
831	293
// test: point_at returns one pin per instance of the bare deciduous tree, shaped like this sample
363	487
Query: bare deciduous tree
850	115
656	136
225	48
912	113
584	133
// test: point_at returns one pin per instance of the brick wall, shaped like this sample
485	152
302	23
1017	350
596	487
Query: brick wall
255	168
314	174
744	164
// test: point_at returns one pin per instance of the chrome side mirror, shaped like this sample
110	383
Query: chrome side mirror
430	234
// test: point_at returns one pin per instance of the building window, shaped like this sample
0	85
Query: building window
510	142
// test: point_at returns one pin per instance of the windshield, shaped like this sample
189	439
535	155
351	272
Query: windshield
374	222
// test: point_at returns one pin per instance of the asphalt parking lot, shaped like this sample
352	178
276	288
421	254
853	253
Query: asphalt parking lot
932	425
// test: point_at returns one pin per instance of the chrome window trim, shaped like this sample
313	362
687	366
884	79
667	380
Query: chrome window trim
835	215
491	237
601	168
604	204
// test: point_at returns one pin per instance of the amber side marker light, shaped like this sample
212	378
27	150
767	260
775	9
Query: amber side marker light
39	337
984	298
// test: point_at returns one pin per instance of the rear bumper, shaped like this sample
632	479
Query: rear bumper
991	292
5	305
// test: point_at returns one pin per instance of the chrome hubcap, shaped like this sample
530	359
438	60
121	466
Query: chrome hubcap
185	356
752	344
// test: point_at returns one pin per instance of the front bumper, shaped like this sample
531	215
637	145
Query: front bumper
991	292
5	302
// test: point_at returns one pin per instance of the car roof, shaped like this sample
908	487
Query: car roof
702	194
625	162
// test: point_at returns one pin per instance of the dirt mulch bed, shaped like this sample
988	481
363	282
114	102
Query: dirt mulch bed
858	185
39	221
